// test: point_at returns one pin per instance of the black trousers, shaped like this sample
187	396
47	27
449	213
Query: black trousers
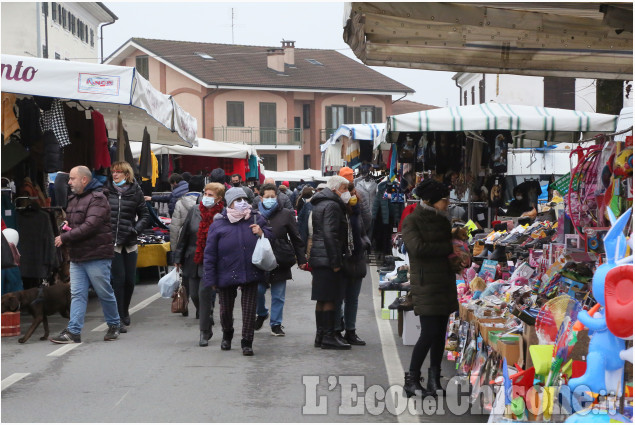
123	275
432	339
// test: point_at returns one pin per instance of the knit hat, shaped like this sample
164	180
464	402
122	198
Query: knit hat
286	183
217	176
347	173
197	183
234	193
432	191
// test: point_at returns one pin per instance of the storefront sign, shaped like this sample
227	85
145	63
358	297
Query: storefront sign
100	84
15	72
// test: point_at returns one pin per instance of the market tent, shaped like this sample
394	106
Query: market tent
525	122
296	175
206	147
356	132
624	122
107	88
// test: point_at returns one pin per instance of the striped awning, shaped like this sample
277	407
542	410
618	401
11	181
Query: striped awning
525	122
356	132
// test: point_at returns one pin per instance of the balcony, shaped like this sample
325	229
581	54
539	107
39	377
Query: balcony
280	137
325	133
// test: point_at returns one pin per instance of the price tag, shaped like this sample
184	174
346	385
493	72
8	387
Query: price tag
88	114
480	217
8	213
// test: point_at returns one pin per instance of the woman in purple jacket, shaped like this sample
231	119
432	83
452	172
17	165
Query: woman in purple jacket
231	241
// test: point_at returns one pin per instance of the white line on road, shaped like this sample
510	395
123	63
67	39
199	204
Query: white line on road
12	379
122	397
394	367
63	350
142	304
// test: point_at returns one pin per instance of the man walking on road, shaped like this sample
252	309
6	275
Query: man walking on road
91	251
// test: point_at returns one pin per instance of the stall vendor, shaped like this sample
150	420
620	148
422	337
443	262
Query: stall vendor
521	206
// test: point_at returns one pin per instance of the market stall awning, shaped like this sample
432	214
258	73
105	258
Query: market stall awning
296	175
206	147
356	132
107	88
581	40
525	122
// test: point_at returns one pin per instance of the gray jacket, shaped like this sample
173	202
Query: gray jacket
185	248
183	206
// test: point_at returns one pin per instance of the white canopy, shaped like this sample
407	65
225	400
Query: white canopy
295	176
525	122
355	131
206	147
624	122
107	88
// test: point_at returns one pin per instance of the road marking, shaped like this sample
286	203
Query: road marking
394	367
142	304
12	379
122	397
63	350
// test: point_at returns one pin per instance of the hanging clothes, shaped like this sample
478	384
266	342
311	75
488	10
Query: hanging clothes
53	118
8	212
10	123
333	157
102	154
82	138
38	255
366	150
253	167
145	159
352	154
29	120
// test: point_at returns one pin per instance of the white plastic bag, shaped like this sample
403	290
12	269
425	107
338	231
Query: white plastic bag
263	256
169	283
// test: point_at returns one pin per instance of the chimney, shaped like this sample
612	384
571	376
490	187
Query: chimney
289	52
275	59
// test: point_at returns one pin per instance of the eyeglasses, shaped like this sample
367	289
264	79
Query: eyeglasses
118	172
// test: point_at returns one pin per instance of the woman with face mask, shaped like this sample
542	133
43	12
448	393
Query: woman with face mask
285	229
520	206
129	216
231	241
188	254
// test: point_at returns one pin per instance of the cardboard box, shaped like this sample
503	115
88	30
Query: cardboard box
411	328
510	351
463	312
484	329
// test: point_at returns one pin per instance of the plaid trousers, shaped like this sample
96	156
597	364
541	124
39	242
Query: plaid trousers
226	299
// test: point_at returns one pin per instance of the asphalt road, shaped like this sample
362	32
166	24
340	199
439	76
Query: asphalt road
158	373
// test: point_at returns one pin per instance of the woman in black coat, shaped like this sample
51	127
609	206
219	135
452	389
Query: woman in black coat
427	234
330	243
129	216
285	228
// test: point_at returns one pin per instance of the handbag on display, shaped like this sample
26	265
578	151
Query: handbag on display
180	300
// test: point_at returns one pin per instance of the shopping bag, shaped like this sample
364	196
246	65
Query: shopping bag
169	283
263	256
10	254
180	300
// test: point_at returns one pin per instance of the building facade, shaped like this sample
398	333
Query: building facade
285	100
66	31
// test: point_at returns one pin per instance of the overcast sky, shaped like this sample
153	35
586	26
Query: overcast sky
311	25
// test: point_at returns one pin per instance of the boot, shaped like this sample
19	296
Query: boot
351	337
329	340
204	338
412	384
434	381
246	346
319	326
226	344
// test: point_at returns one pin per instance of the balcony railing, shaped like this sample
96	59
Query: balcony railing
325	133
259	135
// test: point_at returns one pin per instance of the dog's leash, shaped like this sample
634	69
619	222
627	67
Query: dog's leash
40	295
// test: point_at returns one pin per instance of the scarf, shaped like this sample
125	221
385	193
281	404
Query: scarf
207	218
267	212
235	215
445	214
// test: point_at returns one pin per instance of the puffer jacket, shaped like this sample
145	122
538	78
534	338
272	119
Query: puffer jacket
228	251
285	228
182	207
428	239
129	214
88	216
185	246
181	189
330	230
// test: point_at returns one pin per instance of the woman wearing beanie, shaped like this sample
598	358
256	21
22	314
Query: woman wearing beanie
188	254
231	240
428	239
129	216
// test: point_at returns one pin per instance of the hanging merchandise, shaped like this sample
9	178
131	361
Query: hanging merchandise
9	121
82	136
498	142
407	147
145	159
102	155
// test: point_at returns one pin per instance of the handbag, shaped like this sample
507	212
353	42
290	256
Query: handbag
180	300
284	252
354	268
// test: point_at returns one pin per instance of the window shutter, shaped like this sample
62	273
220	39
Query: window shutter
306	115
54	11
357	111
349	117
328	115
379	114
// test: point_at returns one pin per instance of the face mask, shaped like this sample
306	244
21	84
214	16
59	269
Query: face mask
241	205
208	201
269	202
121	183
236	184
346	196
519	197
353	201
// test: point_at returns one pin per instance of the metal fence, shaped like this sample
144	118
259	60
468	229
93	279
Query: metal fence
259	135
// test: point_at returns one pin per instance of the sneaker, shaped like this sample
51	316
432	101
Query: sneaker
66	337
112	334
123	329
276	330
259	321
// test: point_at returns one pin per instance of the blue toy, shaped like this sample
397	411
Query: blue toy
604	366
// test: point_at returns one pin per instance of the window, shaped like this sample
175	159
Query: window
54	11
335	116
297	129
141	63
59	14
314	62
57	56
366	114
68	21
481	91
235	114
73	25
270	161
92	38
465	97
63	18
204	56
268	123
306	116
307	162
473	95
559	92
609	96
45	9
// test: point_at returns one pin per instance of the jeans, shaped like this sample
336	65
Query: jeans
278	290
124	273
348	312
83	275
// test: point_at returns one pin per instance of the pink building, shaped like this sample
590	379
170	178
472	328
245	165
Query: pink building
285	100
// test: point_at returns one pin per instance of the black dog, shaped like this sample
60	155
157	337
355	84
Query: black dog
40	302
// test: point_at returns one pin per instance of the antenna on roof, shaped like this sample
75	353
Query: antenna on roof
232	25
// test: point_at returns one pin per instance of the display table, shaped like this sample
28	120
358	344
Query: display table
153	255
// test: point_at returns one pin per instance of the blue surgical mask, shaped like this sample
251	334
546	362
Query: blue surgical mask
208	201
121	183
269	202
241	205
